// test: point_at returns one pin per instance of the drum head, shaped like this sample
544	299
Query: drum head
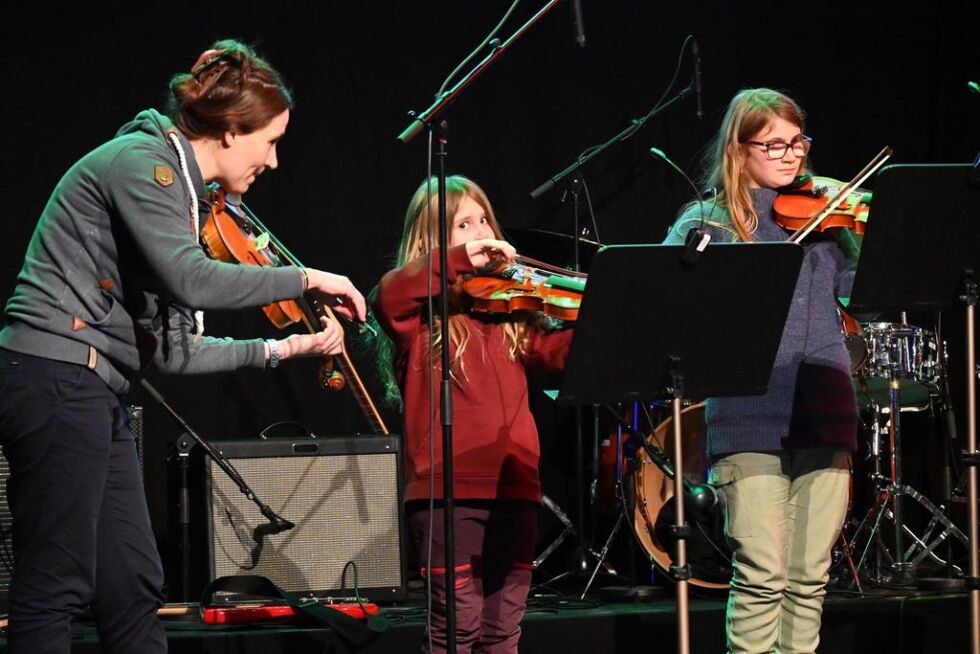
653	489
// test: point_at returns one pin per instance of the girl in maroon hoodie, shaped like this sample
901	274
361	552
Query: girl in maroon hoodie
495	441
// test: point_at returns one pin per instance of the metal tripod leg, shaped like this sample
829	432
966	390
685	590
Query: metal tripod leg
904	561
921	547
602	556
568	531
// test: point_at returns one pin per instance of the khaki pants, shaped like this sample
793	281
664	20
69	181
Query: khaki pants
783	513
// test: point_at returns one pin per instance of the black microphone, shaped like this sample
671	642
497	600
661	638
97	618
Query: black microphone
276	525
579	23
697	238
697	77
699	497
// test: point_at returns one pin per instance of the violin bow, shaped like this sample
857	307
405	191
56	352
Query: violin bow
866	172
528	261
312	308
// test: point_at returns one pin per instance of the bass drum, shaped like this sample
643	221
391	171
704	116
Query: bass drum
654	491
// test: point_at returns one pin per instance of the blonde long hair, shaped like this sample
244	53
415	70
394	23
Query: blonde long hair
419	238
748	114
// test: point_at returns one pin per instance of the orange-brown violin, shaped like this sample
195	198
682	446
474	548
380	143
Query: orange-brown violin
525	285
798	203
837	207
234	234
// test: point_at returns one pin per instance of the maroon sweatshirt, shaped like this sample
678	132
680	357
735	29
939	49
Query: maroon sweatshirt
495	441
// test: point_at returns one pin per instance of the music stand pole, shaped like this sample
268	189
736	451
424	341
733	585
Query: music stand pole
969	297
681	530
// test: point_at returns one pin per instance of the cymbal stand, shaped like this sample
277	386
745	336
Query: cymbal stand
579	563
891	491
618	495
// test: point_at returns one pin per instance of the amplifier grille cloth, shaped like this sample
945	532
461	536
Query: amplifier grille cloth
6	536
345	508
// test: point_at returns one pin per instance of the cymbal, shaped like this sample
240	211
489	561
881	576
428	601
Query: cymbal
551	247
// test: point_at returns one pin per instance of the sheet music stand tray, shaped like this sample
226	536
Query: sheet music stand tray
921	251
654	327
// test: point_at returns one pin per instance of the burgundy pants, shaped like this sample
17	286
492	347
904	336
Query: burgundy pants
493	555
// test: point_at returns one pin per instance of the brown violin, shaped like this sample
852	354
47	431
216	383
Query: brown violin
232	233
526	285
798	203
836	206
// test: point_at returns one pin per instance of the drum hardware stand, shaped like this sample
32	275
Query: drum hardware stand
890	492
953	580
632	592
579	562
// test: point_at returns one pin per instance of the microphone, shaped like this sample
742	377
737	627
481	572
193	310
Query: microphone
699	497
973	86
697	238
275	525
697	77
702	497
579	23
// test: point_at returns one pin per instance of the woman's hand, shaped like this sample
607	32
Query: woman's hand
338	293
482	251
324	343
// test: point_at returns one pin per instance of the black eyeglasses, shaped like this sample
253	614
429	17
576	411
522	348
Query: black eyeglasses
777	149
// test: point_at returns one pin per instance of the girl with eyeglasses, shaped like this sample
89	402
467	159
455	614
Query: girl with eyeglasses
780	461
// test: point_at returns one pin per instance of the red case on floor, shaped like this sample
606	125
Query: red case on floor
252	613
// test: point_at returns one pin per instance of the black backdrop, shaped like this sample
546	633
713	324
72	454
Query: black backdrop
868	74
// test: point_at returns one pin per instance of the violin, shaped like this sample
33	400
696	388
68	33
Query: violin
525	285
809	194
233	234
803	215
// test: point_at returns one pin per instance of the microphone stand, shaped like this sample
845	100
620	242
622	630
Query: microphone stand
634	126
426	119
276	523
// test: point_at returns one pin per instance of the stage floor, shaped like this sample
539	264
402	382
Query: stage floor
883	621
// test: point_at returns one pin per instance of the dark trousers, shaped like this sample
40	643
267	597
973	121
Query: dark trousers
493	555
82	536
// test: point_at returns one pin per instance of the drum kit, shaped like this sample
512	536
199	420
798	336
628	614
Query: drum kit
897	368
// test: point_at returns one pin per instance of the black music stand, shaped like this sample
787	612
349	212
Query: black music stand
921	251
654	325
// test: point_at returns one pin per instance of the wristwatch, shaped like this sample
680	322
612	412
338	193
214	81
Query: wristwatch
273	353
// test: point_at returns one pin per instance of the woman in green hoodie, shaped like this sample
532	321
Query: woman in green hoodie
112	283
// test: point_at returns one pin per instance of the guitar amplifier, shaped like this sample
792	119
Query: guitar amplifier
343	495
6	538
